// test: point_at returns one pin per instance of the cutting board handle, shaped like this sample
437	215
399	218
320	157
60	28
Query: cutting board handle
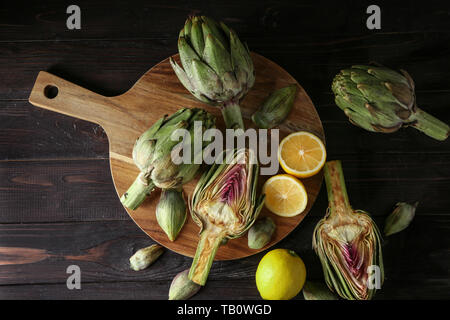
56	94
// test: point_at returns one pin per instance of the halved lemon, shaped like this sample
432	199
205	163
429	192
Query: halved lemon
302	154
285	195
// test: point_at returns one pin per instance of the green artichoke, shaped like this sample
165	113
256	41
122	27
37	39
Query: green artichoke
224	205
275	108
144	257
260	233
317	291
152	155
382	100
217	67
400	218
347	242
171	212
182	288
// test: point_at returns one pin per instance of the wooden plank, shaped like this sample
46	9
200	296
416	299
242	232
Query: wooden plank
236	289
413	262
58	191
27	132
162	20
398	289
101	249
114	66
82	190
105	67
133	290
376	182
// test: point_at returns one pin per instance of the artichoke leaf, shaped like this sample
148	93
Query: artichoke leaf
216	56
239	55
210	27
187	55
206	80
182	76
196	36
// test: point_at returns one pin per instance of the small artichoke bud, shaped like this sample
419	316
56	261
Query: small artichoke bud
275	108
400	218
182	288
260	233
171	212
317	291
145	257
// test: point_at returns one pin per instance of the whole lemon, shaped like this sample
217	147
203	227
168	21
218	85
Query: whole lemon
281	275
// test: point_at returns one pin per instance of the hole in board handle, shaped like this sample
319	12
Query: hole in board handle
50	91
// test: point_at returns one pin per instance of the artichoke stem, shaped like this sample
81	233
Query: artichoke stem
136	193
231	113
210	240
337	192
430	125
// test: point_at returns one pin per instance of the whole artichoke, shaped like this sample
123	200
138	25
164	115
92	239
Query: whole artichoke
383	100
217	67
152	155
224	205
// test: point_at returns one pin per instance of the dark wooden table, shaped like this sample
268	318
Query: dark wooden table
58	205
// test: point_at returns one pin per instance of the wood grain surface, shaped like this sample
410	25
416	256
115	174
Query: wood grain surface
159	92
57	198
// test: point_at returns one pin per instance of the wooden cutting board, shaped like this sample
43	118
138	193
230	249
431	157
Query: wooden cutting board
125	117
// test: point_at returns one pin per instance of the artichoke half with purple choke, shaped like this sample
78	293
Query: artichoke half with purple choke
347	242
224	205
